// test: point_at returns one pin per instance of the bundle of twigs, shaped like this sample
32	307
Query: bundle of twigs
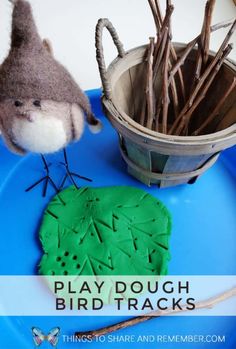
164	64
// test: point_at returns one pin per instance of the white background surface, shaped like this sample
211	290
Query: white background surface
70	25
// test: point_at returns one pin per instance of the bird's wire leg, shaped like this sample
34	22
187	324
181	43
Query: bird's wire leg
71	178
81	177
46	178
63	181
35	184
45	187
53	184
70	174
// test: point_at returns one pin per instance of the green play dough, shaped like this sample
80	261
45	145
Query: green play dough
105	231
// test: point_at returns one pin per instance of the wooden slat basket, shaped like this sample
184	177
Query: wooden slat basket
153	157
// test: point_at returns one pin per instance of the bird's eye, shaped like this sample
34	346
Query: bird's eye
37	103
18	104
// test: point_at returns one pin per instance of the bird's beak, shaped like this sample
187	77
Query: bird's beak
26	116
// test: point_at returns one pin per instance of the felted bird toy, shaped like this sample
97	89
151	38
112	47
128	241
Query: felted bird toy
41	106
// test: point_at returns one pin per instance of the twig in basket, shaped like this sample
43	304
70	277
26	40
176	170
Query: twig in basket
161	46
207	29
159	101
203	42
217	109
158	11
172	50
182	58
198	67
169	4
204	76
185	117
205	304
155	15
163	33
160	54
224	24
142	118
160	50
158	113
165	89
149	86
166	20
174	96
143	113
180	74
191	45
212	64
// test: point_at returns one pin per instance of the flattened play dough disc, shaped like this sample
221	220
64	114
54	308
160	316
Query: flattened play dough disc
105	231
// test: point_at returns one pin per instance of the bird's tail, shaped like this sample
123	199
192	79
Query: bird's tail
95	125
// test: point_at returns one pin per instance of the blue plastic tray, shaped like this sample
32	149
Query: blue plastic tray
203	238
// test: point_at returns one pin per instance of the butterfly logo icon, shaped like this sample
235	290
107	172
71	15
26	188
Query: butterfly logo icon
39	337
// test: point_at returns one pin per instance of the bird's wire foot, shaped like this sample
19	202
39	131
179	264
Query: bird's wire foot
70	174
46	179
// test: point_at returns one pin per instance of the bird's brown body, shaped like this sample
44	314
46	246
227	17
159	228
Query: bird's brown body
41	106
40	126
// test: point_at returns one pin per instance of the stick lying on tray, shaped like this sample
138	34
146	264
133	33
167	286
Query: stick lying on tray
206	304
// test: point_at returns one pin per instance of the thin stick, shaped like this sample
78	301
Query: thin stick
203	42
174	97
198	67
149	86
155	15
160	52
207	29
160	48
224	24
213	63
157	65
158	10
162	31
143	113
199	59
217	108
158	113
180	74
191	45
165	24
165	90
205	75
172	50
159	55
205	304
169	4
185	117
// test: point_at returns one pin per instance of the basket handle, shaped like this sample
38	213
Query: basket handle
105	23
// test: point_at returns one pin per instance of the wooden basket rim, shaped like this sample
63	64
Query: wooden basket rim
127	121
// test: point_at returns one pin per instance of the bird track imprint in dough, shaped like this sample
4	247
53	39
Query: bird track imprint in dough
105	231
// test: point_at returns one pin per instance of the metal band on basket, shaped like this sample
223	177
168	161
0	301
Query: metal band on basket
170	176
